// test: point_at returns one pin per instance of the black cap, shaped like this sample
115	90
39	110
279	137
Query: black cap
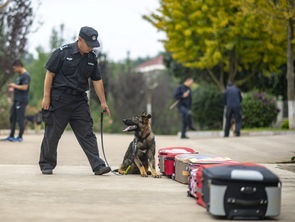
90	36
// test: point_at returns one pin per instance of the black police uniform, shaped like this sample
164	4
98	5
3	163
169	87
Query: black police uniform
184	107
20	101
69	104
232	100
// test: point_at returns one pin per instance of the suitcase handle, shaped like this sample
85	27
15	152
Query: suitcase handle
246	202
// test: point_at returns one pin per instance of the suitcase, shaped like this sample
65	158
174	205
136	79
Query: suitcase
166	158
193	168
241	191
192	181
182	164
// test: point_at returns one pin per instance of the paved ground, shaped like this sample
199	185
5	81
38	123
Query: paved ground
73	193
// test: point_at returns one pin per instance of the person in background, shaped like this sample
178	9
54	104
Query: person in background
183	96
232	101
20	101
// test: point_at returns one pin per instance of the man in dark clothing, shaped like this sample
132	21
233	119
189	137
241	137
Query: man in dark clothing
232	101
183	95
68	71
20	101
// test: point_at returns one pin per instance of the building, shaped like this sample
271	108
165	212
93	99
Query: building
151	66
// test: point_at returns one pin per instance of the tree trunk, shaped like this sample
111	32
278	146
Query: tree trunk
290	75
218	83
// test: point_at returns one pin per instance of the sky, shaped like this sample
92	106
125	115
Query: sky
118	22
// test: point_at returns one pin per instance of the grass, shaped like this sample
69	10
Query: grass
265	129
252	129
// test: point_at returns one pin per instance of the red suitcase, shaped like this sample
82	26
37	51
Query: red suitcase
167	157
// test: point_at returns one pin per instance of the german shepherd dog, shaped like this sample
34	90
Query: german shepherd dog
35	120
140	155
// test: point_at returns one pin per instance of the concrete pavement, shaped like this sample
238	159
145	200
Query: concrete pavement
73	193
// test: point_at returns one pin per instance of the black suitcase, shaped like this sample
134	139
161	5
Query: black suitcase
241	191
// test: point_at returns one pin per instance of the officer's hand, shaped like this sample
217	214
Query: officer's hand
185	94
12	85
46	103
105	107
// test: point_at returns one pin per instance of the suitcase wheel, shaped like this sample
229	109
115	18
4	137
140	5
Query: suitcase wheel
173	176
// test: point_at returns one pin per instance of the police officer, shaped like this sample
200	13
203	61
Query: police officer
183	95
65	100
20	101
232	101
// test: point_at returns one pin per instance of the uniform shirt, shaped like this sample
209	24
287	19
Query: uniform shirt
187	101
232	97
72	69
22	95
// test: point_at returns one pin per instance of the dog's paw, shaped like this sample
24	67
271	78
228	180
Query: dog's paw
144	175
123	172
156	176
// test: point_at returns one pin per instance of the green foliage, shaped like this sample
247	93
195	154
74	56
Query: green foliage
208	107
15	23
56	38
4	110
259	110
37	72
182	72
164	121
127	96
221	37
285	124
36	66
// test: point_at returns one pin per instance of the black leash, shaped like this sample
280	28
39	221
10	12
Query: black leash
102	146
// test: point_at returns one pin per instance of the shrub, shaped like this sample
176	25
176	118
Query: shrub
4	112
285	124
259	110
208	107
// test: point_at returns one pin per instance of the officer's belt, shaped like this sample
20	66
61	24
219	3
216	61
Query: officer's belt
71	91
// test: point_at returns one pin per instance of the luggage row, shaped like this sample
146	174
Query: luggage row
223	186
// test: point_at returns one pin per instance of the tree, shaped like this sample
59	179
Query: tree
280	14
15	22
37	72
2	6
181	72
219	37
57	37
36	66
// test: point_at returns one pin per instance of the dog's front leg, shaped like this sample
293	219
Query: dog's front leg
142	171
151	162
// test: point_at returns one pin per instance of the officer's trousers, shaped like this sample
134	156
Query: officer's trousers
72	109
17	115
236	113
186	119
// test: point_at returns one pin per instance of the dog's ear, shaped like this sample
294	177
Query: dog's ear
149	116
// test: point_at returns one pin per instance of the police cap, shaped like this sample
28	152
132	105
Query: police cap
90	36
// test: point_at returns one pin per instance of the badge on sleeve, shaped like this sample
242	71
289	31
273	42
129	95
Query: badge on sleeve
69	58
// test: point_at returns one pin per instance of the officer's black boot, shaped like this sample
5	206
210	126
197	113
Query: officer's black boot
102	170
47	171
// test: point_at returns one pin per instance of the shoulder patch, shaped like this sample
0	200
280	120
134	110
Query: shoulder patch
93	53
64	47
